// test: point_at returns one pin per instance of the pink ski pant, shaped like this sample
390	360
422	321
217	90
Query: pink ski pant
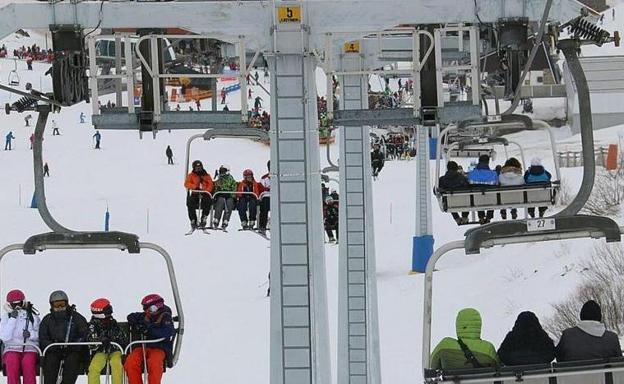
20	363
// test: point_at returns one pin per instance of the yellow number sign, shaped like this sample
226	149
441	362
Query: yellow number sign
352	47
289	14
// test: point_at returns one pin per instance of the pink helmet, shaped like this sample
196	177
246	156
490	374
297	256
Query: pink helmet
153	299
15	296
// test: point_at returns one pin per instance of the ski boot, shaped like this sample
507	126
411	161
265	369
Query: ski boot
202	222
224	224
251	224
244	225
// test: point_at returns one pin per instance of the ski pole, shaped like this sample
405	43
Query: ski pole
144	359
28	316
108	368
59	376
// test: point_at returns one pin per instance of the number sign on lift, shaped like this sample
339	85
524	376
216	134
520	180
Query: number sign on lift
289	14
540	225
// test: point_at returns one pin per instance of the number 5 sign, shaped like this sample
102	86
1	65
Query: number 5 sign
289	14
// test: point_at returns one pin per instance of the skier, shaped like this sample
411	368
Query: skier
198	104
32	140
468	350
55	130
82	117
63	324
27	120
483	175
155	322
19	331
249	92
198	180
257	77
536	174
103	328
527	343
589	339
46	170
245	201
7	143
330	218
97	138
223	95
223	201
257	102
265	198
377	160
169	154
29	62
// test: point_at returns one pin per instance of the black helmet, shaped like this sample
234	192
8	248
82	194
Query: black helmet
197	163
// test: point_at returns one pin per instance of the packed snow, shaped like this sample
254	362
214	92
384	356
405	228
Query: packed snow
223	276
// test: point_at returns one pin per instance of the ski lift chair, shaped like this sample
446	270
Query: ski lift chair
495	197
14	79
107	240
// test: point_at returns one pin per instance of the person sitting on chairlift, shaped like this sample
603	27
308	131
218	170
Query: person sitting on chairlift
537	174
510	174
454	179
483	175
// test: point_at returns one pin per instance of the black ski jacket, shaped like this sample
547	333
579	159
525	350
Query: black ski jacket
452	180
527	343
588	340
54	327
100	329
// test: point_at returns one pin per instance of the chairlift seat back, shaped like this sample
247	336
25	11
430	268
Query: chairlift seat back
481	197
472	153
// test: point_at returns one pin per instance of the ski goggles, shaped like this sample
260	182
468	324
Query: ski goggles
16	304
59	305
99	315
151	308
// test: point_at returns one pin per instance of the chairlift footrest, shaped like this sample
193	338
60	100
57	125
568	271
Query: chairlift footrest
121	240
596	225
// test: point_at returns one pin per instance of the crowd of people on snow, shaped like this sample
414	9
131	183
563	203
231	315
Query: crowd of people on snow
480	175
34	53
22	331
526	343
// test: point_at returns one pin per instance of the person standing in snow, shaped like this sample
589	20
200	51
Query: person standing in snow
82	117
97	138
8	141
257	77
27	120
589	339
19	332
55	130
223	95
169	154
198	104
377	160
32	140
257	102
46	170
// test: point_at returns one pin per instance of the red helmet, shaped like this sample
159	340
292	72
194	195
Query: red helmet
15	296
101	306
247	172
153	299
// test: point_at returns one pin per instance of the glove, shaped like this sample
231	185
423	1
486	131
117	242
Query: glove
106	342
26	334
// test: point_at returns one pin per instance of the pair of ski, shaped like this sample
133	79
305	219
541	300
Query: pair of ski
256	231
205	230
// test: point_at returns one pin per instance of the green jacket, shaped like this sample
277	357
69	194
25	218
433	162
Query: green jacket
449	355
225	183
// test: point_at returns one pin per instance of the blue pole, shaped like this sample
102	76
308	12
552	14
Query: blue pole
422	249
106	220
33	203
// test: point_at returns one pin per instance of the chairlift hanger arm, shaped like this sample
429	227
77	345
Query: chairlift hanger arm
60	240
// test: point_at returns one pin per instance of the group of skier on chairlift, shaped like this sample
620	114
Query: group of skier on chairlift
22	332
224	194
527	343
480	174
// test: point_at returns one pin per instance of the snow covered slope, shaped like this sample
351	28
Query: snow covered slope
223	276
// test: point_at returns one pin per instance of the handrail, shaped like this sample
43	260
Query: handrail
143	342
36	347
79	343
142	245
